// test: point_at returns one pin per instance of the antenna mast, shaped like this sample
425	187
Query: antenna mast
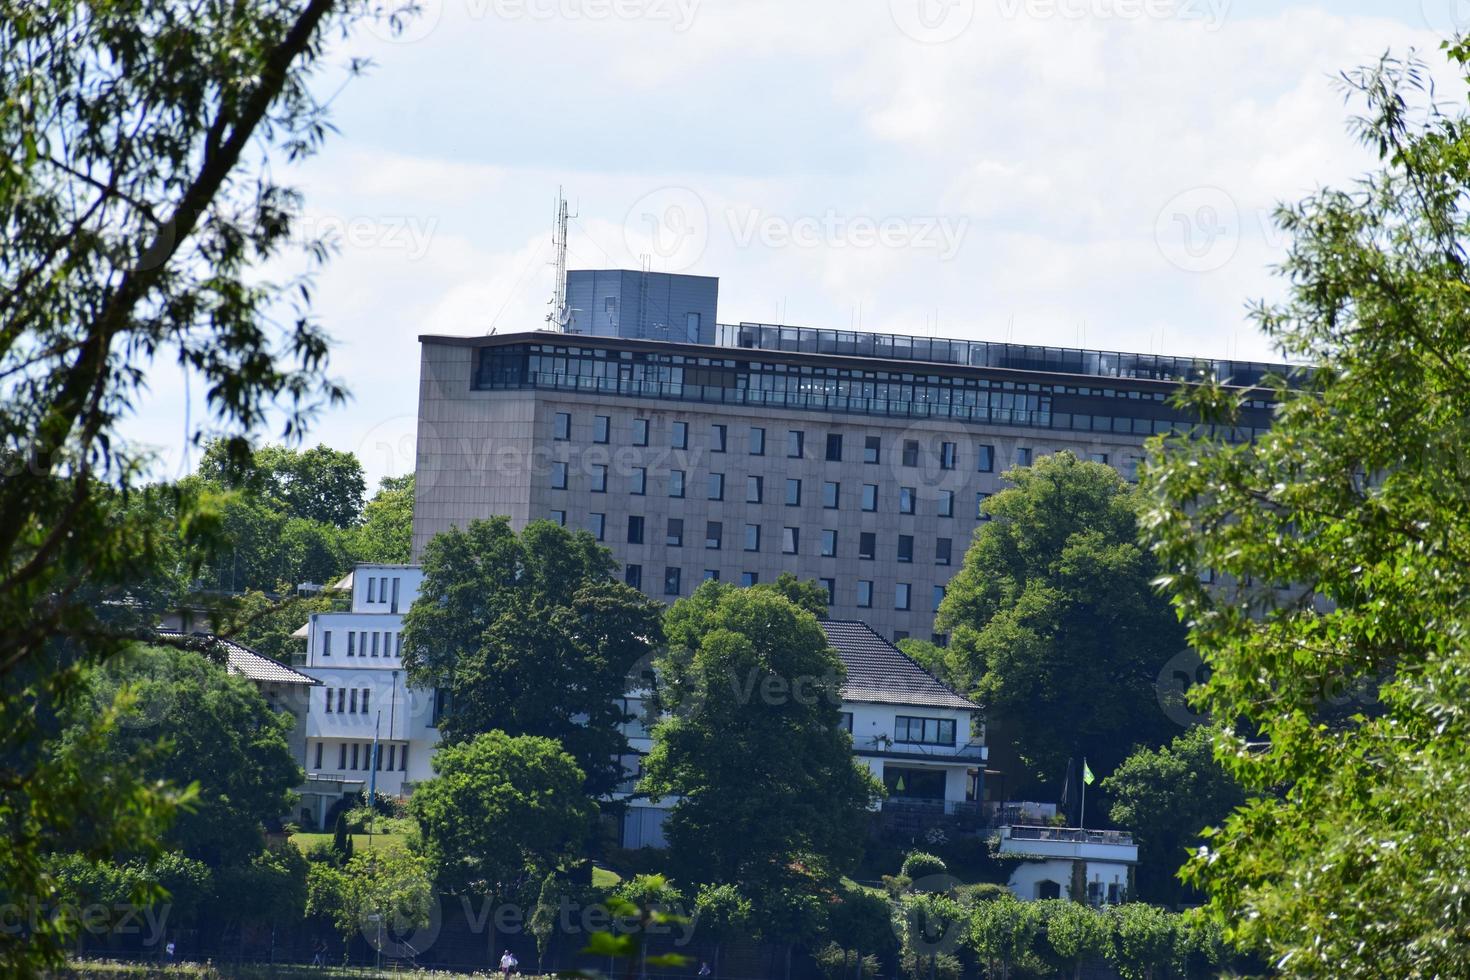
560	316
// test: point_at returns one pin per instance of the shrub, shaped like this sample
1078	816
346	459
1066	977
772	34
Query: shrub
921	865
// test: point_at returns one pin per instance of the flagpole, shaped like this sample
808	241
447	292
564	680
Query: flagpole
373	779
1082	815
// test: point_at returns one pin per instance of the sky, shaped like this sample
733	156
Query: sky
1095	173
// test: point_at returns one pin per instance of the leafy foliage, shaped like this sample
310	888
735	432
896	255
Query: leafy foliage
1336	635
1055	622
386	532
768	790
500	807
530	634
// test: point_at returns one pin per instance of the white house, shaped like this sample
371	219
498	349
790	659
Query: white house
356	659
1065	860
917	736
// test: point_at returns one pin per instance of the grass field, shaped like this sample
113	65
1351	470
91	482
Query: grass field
306	841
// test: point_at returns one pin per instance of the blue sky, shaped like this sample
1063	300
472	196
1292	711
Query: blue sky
1074	172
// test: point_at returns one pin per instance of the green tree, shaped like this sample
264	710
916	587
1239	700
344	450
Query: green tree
266	625
320	485
341	840
530	634
386	532
721	913
808	595
1055	621
388	886
1077	934
1340	539
500	807
137	206
1167	797
1002	932
751	743
195	723
270	889
1144	940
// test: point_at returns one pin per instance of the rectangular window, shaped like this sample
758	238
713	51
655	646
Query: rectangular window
757	441
747	579
752	537
640	481
329	700
599	477
938	596
902	595
754	489
341	700
601	428
640	432
834	447
352	643
985	459
717	486
342	756
872	448
1023	456
980	513
793	493
867	545
870	496
635	530
562	428
375	643
946	503
633	575
829	543
865	594
906	500
1097	458
717	438
942	548
795	443
906	548
559	518
714	533
676	483
711	574
398	645
356	746
558	476
924	731
1130	469
392	755
403	759
597	524
948	455
679	437
911	452
326	643
318	755
790	540
671	580
830	584
352	701
846	721
674	537
831	493
365	693
372	589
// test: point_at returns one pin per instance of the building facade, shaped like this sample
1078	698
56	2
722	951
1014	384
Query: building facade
862	461
362	694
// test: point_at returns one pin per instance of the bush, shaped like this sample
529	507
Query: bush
896	885
837	963
921	865
985	891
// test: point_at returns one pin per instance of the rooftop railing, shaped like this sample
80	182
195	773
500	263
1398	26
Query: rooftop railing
1075	835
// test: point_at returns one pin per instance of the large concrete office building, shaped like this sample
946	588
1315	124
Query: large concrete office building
861	460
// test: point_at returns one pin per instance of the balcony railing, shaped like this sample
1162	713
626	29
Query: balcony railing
968	752
1072	835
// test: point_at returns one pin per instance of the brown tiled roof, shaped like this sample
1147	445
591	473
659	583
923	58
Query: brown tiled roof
878	671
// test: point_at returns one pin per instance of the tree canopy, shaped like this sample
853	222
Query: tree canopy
1336	632
1055	623
530	634
751	742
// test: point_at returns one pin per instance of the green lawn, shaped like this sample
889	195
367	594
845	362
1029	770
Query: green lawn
605	878
306	841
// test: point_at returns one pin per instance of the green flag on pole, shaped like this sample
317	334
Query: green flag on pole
1087	776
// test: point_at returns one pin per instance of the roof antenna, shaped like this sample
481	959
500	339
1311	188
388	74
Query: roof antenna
560	316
